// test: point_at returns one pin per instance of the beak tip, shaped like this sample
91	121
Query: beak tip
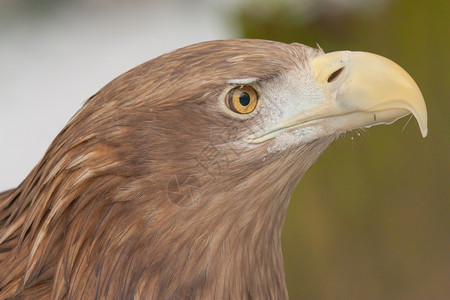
422	122
424	132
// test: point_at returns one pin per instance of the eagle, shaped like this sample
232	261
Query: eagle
173	180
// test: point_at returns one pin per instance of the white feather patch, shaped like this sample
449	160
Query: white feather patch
243	81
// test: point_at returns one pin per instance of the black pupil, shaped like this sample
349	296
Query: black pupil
244	99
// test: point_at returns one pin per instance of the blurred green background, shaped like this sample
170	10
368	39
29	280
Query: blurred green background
371	219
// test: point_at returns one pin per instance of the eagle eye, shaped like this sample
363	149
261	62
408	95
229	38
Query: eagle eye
242	99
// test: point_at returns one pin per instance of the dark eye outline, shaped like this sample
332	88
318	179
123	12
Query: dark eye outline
253	99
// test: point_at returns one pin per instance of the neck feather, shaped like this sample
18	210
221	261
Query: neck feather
103	234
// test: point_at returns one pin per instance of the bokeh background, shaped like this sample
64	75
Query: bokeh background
370	220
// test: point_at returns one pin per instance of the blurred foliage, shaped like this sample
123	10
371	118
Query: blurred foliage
371	219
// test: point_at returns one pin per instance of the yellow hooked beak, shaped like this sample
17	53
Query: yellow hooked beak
368	90
358	89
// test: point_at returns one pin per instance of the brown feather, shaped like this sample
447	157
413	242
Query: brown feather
95	218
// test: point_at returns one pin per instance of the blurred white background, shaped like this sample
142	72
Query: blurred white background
55	54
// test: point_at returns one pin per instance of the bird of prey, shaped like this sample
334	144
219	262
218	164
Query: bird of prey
173	181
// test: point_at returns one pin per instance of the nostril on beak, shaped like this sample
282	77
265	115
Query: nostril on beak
335	74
